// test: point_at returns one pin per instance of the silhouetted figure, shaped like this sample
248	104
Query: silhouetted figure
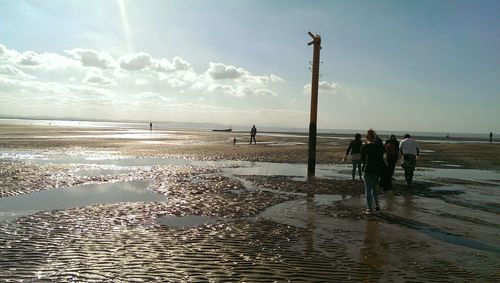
392	152
491	136
234	141
448	136
410	151
253	133
355	149
372	156
150	126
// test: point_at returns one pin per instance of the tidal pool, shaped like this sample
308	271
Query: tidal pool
78	196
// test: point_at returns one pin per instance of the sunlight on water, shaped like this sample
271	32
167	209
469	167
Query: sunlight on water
78	196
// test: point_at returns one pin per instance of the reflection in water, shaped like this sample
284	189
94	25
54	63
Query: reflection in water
78	196
310	225
372	250
391	201
408	204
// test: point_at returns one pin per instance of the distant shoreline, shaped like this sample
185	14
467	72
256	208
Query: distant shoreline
430	136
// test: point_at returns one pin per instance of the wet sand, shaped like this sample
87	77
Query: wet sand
238	213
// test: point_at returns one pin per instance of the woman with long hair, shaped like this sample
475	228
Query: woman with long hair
372	157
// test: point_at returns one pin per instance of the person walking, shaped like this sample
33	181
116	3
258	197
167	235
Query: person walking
253	133
355	150
491	137
372	157
392	153
410	151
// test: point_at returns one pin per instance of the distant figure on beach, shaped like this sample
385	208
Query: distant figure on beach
392	153
150	126
234	141
410	151
372	157
355	149
253	133
448	136
491	137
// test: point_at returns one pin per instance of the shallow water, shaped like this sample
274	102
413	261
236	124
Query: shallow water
243	167
78	196
187	221
186	237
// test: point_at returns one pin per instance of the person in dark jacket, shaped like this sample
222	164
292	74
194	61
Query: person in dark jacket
392	152
372	157
355	149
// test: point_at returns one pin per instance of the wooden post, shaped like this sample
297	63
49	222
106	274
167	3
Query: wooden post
311	167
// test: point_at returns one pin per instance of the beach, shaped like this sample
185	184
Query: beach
125	204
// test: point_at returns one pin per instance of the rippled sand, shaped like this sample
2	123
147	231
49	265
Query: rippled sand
218	226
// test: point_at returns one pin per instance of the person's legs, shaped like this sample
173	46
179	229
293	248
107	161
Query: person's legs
391	161
354	164
413	161
359	168
410	160
370	183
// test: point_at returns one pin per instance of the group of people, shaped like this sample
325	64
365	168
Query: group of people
377	160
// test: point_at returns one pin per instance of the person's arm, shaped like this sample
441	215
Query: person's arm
347	151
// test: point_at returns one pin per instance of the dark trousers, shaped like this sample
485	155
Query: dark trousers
408	164
391	162
252	138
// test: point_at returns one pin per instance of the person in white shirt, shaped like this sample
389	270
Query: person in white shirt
410	151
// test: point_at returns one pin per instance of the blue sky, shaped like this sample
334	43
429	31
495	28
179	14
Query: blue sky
391	65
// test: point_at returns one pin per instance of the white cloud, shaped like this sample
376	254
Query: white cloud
8	53
165	66
10	70
264	92
91	58
96	78
147	97
219	71
3	50
323	86
141	82
276	79
35	89
28	58
220	88
136	62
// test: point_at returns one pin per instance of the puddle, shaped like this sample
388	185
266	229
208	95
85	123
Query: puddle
104	171
187	221
299	171
78	196
460	174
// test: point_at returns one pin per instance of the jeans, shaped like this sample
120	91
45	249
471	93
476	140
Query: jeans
371	181
356	163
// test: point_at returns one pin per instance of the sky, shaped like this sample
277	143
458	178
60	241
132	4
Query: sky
388	65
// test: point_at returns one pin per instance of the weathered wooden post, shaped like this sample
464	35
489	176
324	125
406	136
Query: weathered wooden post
311	167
